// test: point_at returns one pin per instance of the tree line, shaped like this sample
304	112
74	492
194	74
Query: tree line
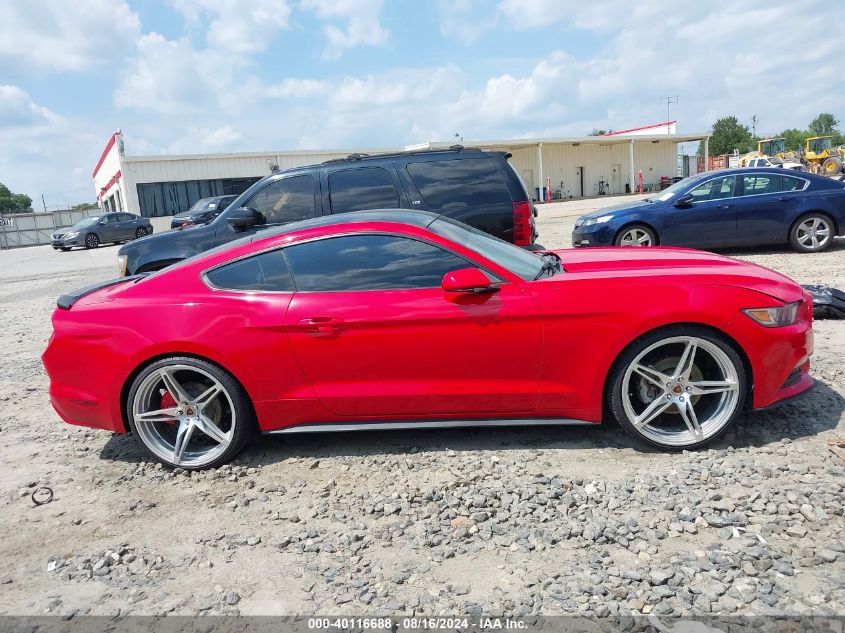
729	135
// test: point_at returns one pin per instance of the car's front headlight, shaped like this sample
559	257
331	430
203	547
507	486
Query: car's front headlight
778	316
121	265
72	234
599	220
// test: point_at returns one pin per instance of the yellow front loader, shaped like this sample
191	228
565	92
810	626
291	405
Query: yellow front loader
821	157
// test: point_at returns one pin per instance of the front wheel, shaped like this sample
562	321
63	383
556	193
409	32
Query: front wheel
189	413
677	388
92	240
140	232
635	235
811	233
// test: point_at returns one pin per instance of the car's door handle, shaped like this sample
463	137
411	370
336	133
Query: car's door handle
320	324
784	198
726	206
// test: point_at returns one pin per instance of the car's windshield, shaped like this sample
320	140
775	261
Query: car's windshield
200	206
515	259
91	219
674	190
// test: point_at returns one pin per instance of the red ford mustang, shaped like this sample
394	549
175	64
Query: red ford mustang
404	319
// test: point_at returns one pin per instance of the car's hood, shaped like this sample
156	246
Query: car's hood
614	209
694	266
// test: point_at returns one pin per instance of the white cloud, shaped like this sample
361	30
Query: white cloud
19	111
236	25
66	36
362	24
465	20
201	140
42	150
170	78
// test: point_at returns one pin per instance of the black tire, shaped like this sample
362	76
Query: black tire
633	228
92	240
243	422
616	381
832	166
64	248
798	233
140	232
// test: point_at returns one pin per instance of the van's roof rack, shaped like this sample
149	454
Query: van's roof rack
359	156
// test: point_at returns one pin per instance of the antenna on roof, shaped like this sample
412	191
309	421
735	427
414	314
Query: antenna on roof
456	147
356	156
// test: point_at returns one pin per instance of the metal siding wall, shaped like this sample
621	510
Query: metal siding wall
560	162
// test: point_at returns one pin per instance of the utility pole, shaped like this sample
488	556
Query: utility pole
668	101
754	126
43	203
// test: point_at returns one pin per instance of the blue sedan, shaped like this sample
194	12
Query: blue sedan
731	207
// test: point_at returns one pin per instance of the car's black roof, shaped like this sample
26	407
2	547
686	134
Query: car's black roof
421	219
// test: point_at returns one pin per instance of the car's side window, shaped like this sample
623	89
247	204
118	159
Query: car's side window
111	218
716	189
364	188
369	262
126	217
791	184
267	272
286	200
756	184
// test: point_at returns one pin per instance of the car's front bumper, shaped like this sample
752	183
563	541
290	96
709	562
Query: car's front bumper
593	235
65	242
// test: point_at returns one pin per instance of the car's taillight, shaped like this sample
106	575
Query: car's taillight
522	223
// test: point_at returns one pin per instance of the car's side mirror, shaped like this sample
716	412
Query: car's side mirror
242	218
469	281
684	201
102	222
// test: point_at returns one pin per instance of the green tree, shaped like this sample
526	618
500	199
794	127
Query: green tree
84	206
728	135
598	132
824	125
794	138
14	202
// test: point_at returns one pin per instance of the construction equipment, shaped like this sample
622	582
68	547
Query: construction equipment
766	148
821	157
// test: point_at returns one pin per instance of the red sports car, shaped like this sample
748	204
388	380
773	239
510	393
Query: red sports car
404	319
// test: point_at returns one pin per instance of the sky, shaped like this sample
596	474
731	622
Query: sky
197	76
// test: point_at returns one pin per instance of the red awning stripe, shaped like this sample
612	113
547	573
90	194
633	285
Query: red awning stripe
109	184
109	145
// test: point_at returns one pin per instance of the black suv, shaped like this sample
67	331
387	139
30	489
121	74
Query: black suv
477	187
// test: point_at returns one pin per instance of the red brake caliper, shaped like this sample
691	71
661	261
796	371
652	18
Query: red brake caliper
167	401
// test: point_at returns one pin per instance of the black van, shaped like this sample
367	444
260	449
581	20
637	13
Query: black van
477	187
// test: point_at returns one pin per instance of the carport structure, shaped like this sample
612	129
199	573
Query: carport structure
577	166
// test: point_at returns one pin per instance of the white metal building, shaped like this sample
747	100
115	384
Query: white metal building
163	185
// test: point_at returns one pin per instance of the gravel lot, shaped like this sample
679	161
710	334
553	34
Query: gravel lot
500	522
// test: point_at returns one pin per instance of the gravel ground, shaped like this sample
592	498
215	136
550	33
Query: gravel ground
500	522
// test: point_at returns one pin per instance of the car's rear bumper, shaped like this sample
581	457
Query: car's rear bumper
81	392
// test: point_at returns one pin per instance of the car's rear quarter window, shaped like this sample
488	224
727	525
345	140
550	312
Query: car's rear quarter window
360	189
267	272
449	185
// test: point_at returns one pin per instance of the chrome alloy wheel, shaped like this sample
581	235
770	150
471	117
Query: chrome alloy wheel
635	237
184	415
680	391
813	233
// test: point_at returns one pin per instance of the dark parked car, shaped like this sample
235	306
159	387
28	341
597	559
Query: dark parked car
731	207
476	187
203	211
92	231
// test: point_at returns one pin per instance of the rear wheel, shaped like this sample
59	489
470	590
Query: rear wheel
677	388
189	413
811	233
92	240
635	235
